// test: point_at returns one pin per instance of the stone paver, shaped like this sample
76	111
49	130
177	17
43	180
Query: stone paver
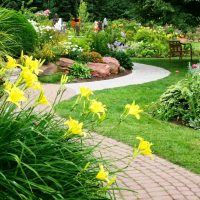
155	179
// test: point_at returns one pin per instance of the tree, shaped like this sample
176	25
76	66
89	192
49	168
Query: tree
182	13
82	11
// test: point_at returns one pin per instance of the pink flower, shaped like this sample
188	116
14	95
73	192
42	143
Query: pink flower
195	66
47	12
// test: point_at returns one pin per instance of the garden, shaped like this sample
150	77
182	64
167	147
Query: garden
68	78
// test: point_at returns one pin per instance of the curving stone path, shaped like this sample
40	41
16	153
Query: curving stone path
141	74
156	179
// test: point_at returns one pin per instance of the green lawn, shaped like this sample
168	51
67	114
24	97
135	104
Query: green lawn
52	78
178	144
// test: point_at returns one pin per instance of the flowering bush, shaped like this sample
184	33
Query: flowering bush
41	155
72	51
44	13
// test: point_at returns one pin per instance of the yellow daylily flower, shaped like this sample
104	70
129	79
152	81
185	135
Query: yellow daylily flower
74	127
8	86
102	174
33	65
144	147
16	96
112	180
42	99
97	107
64	79
29	78
133	109
11	63
85	92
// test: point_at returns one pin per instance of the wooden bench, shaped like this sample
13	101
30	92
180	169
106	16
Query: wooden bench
176	48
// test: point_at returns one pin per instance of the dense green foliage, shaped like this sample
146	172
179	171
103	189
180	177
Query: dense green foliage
181	13
91	57
14	23
181	102
99	42
37	162
78	70
123	58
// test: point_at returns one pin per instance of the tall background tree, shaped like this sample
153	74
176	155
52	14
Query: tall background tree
182	13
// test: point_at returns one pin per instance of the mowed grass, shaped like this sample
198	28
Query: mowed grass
178	144
52	78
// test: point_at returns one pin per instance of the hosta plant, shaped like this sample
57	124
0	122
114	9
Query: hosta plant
181	102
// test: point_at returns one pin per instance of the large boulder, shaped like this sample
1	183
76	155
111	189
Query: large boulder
99	69
64	64
48	69
113	63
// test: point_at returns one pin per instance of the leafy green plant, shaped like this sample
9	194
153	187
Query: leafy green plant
91	57
181	102
82	11
123	58
46	53
153	42
7	44
14	23
83	42
79	70
51	78
99	42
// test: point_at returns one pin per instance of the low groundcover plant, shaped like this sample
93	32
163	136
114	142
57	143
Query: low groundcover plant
43	156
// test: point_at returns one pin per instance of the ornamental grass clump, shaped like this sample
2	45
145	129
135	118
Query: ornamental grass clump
15	26
46	157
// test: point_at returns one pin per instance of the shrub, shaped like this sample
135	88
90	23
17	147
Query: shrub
153	42
123	58
99	42
83	42
91	57
16	24
181	102
46	53
78	70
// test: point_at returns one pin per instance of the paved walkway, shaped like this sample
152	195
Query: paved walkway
141	74
155	179
151	179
